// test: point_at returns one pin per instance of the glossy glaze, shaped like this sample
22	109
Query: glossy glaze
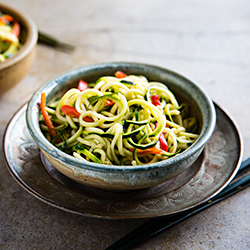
124	177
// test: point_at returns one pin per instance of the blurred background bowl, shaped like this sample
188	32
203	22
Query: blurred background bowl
13	69
124	177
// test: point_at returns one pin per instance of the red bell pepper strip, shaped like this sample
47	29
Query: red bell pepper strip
163	142
70	111
46	117
16	29
82	85
120	74
88	119
155	100
153	151
109	103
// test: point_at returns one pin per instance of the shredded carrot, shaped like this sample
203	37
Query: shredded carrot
153	151
9	18
46	117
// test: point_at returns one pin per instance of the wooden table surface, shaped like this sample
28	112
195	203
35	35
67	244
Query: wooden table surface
208	41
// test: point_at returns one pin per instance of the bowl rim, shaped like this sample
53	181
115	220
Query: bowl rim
32	35
32	123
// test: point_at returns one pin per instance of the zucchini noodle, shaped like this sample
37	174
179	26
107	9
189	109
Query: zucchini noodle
9	36
121	121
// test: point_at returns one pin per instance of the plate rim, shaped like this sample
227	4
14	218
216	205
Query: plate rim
35	193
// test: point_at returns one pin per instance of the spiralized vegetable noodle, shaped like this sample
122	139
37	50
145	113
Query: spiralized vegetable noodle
9	36
119	120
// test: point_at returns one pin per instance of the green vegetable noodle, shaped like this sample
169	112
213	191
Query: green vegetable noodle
119	120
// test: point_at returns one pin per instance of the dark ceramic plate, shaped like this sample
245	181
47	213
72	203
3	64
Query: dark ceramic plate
213	170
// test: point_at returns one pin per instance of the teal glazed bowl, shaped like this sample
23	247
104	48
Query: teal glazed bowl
114	177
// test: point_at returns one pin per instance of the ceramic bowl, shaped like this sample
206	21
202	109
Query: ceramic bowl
124	177
14	68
